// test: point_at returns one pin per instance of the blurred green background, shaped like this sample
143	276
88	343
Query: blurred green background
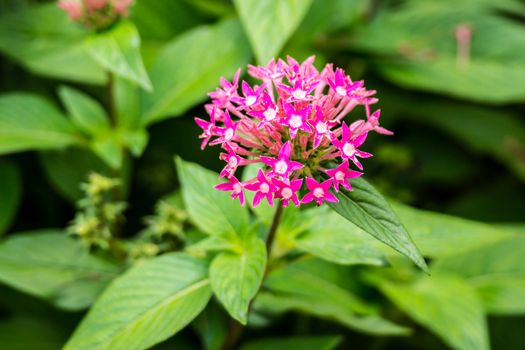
450	77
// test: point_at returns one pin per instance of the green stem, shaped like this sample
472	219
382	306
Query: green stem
235	330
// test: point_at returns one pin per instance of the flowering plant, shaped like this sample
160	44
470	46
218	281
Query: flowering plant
293	124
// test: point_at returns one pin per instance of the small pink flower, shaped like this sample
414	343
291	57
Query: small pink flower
251	96
296	119
318	191
348	146
268	111
235	186
341	174
263	187
96	14
227	133
282	166
287	191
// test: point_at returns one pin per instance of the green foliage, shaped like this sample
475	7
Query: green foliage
446	305
53	266
46	42
296	343
368	210
29	122
146	305
269	24
180	81
118	50
11	190
210	210
235	277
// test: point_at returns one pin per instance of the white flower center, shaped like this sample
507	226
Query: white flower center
299	94
237	188
228	134
348	149
321	127
270	114
296	121
250	100
264	188
318	192
339	176
232	162
341	90
281	167
287	193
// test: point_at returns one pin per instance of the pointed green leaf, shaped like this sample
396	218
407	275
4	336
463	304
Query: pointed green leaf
211	210
109	149
190	66
51	265
269	24
126	96
29	122
236	277
367	209
325	342
332	238
85	112
146	305
447	306
212	326
118	50
10	193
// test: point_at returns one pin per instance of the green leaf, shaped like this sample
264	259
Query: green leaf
446	305
50	265
332	238
126	96
236	277
212	326
109	148
417	48
368	210
146	305
370	324
11	192
210	210
190	66
440	235
118	50
269	24
497	271
318	288
29	122
87	114
66	169
325	342
44	40
45	333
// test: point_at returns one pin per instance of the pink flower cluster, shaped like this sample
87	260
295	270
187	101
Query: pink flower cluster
292	124
95	14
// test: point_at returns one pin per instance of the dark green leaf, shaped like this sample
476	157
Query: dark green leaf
212	326
146	305
367	209
326	342
10	194
50	265
236	277
191	65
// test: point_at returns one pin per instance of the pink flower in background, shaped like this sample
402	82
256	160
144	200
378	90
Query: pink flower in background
96	14
291	125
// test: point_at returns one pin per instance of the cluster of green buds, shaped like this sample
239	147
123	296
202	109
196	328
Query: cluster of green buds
164	230
99	212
